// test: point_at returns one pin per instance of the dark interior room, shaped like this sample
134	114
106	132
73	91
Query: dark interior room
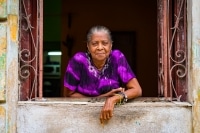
134	30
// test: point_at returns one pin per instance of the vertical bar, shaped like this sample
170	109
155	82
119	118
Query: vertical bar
35	84
160	46
165	50
40	48
169	36
186	47
34	50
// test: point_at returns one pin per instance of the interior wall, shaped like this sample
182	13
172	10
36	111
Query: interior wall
52	23
139	16
52	29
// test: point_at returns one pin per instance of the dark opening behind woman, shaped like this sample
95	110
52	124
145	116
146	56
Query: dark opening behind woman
101	72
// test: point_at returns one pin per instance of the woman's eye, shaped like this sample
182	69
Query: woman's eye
94	44
105	43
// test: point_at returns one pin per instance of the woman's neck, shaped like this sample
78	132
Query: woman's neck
99	65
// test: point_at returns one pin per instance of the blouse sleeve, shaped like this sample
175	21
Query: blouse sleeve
124	70
72	74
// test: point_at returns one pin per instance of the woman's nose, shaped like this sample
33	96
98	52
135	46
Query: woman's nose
100	46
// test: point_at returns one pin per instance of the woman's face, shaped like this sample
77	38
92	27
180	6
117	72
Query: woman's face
100	46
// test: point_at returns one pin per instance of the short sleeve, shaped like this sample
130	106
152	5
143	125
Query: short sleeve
124	70
72	74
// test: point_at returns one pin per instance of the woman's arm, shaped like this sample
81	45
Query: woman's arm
70	93
133	90
112	92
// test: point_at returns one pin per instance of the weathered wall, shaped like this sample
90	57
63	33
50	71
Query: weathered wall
8	64
3	45
194	70
83	117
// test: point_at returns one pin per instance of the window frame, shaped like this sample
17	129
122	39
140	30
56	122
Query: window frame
171	38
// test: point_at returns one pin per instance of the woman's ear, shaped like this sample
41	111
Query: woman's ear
88	48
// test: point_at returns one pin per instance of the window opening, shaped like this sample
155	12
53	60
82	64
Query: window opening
172	55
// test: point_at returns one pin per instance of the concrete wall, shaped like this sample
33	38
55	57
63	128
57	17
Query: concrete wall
83	117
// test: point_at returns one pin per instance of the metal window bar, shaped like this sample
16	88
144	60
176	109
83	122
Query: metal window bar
30	49
172	47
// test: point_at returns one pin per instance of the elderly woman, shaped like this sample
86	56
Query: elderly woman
101	72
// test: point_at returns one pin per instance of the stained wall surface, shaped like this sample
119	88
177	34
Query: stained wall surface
83	117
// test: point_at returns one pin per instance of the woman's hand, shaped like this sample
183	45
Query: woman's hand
107	110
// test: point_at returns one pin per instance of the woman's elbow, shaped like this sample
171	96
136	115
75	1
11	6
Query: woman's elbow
68	92
139	92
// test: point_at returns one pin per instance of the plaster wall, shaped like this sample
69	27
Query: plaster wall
194	70
8	64
83	117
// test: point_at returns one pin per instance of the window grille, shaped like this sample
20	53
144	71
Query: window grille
30	49
172	46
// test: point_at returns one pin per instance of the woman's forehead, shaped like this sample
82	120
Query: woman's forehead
100	34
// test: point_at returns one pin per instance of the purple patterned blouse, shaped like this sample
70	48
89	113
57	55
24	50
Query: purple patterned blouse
83	77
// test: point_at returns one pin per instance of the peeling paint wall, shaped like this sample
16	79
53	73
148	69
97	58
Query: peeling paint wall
12	72
3	50
3	45
9	10
13	27
2	119
195	61
3	9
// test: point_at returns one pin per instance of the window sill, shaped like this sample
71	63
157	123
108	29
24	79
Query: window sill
138	102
